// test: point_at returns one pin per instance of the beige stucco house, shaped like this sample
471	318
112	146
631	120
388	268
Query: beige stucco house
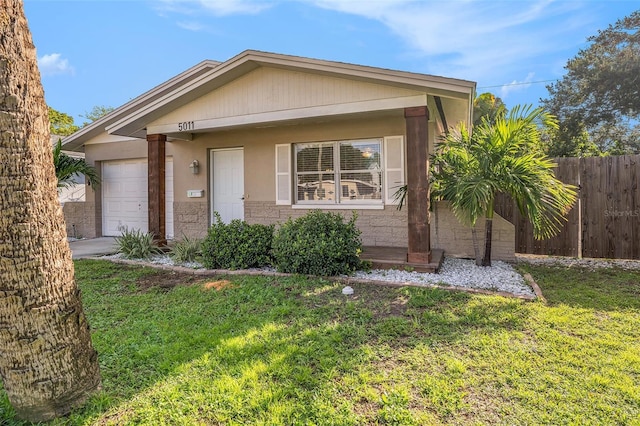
264	137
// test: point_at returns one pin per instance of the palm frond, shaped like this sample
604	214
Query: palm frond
67	168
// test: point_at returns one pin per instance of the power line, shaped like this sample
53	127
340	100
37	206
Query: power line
518	84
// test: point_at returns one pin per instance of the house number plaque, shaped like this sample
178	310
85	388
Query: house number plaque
186	126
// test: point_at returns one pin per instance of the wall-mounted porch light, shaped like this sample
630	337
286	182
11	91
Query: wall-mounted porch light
195	167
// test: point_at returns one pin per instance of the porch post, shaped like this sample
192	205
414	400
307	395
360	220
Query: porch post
156	187
416	119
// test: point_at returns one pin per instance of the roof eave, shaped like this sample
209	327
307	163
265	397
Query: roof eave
76	141
135	123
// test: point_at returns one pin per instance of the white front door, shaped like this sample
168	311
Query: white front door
227	183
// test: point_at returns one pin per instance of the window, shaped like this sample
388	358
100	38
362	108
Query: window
347	173
339	172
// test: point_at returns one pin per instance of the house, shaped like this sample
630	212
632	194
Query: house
264	137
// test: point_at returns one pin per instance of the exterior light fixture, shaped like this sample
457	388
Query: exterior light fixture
195	167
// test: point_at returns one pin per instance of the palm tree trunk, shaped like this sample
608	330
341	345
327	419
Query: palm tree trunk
476	249
488	235
47	362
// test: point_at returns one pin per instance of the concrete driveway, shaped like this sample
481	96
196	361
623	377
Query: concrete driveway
93	247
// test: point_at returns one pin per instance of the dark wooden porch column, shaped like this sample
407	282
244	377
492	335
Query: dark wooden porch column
156	182
416	119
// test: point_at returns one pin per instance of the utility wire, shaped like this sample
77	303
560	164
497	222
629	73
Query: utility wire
517	84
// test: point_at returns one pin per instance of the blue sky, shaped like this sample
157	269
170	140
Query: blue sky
108	52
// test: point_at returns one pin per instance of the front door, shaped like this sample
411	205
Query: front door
227	184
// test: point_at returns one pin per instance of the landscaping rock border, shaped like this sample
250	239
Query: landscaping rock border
455	275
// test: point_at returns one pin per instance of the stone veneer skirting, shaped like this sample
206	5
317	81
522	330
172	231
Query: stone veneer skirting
80	217
456	239
386	227
190	219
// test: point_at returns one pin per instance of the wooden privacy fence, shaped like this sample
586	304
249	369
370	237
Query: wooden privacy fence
604	222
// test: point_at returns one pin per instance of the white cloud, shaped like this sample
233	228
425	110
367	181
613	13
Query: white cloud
190	25
485	41
475	40
53	64
232	7
516	85
216	7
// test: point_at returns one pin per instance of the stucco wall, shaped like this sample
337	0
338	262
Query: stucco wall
259	150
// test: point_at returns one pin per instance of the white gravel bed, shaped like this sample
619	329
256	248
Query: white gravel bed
460	273
454	272
160	259
572	262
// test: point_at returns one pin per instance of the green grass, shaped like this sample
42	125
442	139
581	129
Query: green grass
265	350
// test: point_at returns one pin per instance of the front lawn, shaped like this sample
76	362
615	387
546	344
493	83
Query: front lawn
176	349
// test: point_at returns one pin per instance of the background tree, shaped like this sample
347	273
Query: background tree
61	123
489	106
506	157
47	362
569	139
96	113
600	93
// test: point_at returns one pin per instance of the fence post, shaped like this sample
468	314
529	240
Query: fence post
579	250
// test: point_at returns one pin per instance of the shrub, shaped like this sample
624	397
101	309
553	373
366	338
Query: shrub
135	244
318	244
237	245
186	250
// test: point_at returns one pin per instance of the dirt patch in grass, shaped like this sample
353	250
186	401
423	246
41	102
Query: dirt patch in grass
165	280
218	285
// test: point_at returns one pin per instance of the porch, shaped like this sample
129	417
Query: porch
396	258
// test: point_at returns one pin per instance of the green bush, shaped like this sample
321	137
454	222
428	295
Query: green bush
135	244
186	250
318	244
237	245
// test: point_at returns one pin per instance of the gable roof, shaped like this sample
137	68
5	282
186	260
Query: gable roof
131	119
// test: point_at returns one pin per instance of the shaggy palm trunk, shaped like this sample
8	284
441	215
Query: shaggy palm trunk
488	235
47	362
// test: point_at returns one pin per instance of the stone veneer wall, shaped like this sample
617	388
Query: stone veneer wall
191	219
80	217
457	239
388	227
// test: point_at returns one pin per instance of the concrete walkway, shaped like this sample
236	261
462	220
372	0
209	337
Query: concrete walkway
92	247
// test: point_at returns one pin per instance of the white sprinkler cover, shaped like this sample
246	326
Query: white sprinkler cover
347	291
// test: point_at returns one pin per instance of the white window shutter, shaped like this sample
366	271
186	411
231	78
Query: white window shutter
393	167
283	174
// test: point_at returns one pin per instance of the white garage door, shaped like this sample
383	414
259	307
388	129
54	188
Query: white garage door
125	198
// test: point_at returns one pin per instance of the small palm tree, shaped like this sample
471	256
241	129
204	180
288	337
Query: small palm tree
67	167
504	156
